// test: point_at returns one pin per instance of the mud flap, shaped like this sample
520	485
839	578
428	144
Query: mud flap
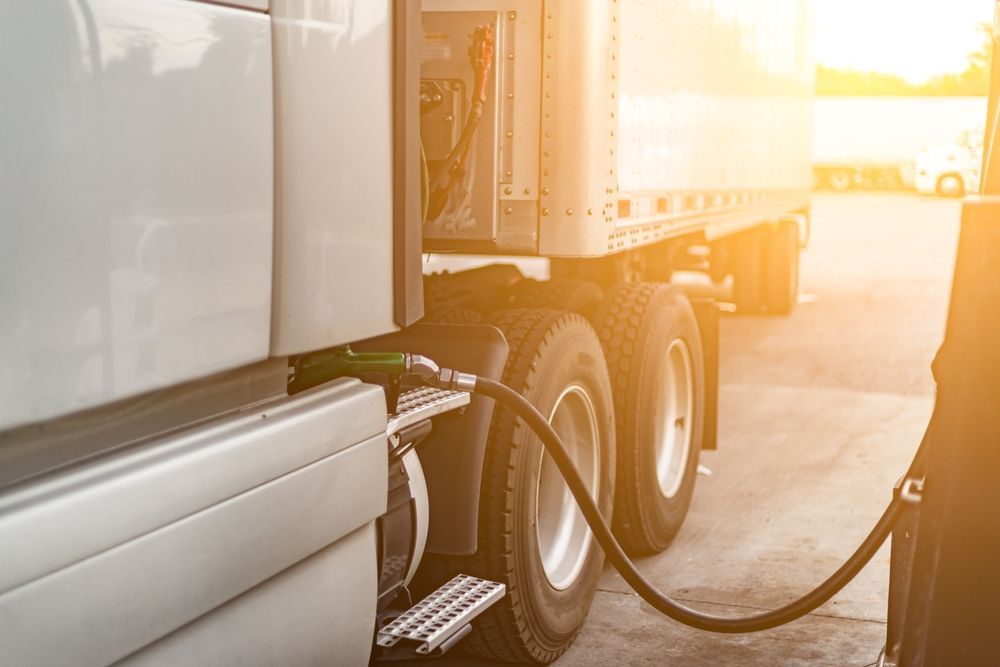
706	311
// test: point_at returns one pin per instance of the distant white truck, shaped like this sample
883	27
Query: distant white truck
874	142
951	170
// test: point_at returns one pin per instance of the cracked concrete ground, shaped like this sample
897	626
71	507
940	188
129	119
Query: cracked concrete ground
819	414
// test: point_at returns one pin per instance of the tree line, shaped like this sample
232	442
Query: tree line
975	80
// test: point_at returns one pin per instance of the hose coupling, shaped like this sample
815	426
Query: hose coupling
450	379
442	378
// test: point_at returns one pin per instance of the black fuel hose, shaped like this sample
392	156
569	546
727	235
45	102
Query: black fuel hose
663	603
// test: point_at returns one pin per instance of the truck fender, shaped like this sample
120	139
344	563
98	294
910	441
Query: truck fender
452	455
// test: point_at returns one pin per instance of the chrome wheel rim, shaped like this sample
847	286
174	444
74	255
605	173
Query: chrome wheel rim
951	186
840	181
675	426
562	533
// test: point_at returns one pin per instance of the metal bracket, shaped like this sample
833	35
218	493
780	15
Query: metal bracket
912	491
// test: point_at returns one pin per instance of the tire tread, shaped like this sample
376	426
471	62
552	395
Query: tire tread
501	633
618	325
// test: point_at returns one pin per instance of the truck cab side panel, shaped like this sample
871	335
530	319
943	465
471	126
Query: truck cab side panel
138	152
213	526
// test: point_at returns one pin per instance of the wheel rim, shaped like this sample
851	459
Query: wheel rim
562	533
674	430
840	181
950	185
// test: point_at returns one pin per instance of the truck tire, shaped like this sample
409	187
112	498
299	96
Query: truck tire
455	316
747	264
531	534
651	341
781	268
575	295
839	180
950	185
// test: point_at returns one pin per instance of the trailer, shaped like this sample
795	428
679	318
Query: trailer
675	124
213	447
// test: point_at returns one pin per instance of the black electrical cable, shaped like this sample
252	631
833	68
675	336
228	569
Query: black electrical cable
663	603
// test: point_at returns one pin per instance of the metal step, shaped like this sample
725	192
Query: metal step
441	619
416	405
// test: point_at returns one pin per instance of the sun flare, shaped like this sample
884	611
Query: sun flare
915	40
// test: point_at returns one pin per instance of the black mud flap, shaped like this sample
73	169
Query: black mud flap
706	311
452	455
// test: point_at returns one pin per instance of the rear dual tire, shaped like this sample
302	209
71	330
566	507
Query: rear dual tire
765	267
532	537
653	348
950	185
643	371
781	268
840	180
576	295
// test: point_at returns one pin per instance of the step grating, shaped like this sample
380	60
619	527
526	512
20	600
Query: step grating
422	403
443	614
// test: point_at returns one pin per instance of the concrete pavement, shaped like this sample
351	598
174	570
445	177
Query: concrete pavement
820	413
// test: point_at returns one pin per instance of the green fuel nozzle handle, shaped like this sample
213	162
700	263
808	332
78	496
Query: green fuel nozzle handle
315	369
320	367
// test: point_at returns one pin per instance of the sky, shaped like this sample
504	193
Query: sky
915	39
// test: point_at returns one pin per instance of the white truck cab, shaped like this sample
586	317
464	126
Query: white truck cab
951	170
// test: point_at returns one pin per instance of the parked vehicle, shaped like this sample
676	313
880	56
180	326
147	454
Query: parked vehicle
204	203
951	170
874	142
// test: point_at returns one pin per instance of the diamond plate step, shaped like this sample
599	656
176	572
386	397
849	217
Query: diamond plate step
442	618
416	405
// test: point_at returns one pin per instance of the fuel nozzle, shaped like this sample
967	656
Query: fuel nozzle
320	367
314	369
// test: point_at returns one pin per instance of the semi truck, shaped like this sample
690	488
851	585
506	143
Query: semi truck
215	220
950	170
875	142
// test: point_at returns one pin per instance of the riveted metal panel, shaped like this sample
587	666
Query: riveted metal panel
507	148
656	119
704	108
579	90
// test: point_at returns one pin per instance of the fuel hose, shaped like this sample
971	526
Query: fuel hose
621	562
310	371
